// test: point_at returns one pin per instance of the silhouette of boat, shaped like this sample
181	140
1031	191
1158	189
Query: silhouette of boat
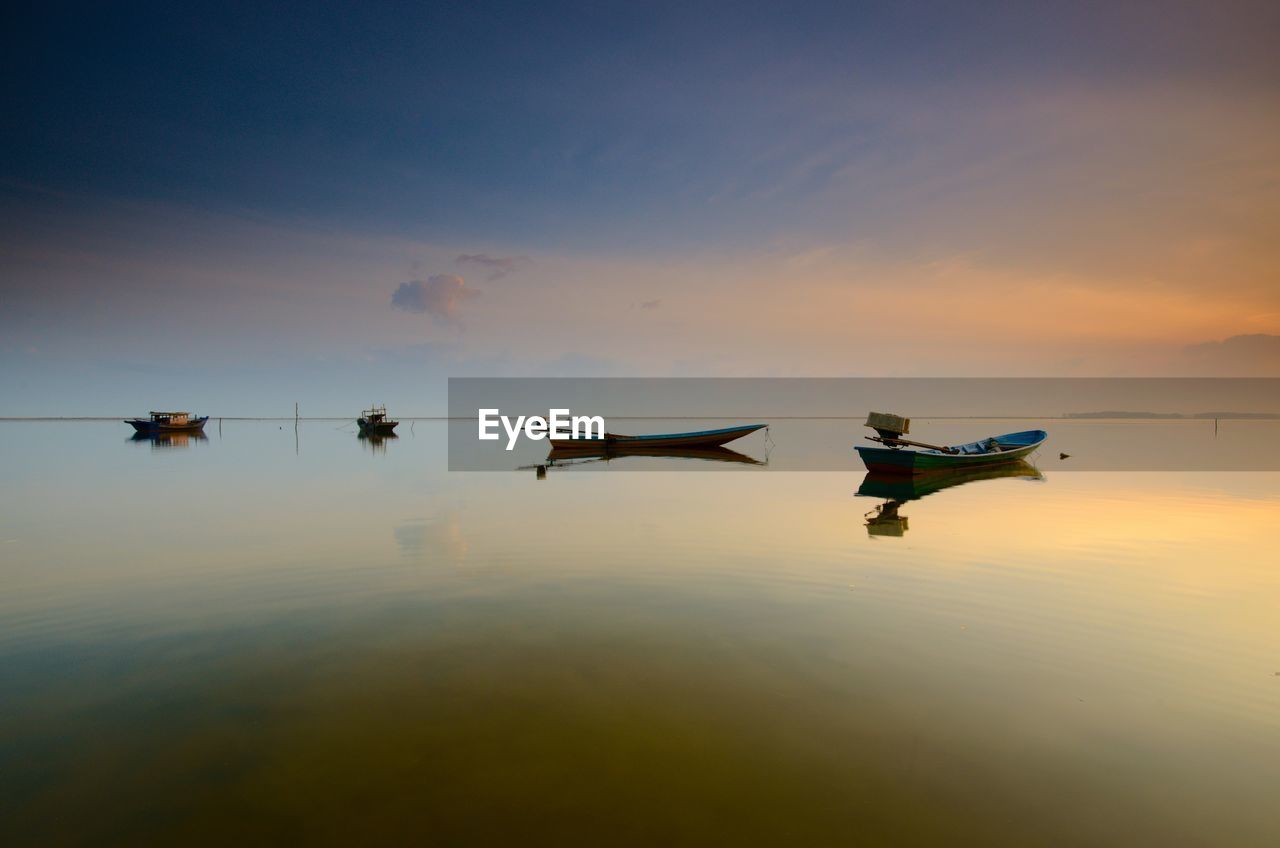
167	422
374	421
695	439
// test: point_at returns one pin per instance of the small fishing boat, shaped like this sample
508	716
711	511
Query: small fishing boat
167	422
696	439
374	422
905	456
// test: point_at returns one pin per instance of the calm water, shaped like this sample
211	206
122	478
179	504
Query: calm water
258	638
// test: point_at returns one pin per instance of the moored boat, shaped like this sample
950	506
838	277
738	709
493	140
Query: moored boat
374	422
993	450
167	422
695	439
906	456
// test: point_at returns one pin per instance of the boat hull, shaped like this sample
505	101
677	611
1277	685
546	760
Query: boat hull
911	461
151	428
377	428
697	439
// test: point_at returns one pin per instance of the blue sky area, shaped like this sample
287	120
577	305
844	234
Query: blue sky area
227	206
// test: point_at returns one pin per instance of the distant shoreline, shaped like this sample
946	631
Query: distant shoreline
1175	416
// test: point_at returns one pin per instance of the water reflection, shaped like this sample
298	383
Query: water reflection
411	538
438	538
562	457
898	489
170	440
376	442
342	649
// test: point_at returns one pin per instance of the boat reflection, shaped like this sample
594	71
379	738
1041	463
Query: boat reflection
177	439
560	457
374	441
896	489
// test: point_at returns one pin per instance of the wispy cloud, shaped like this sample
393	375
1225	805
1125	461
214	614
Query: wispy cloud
1254	354
439	296
495	267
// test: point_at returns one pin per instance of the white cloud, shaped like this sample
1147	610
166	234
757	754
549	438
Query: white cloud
440	296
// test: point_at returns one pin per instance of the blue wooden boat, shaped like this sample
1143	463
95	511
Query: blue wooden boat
695	439
167	422
902	457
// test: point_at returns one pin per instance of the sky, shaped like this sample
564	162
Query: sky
232	209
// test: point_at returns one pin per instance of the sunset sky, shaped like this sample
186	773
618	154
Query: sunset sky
235	209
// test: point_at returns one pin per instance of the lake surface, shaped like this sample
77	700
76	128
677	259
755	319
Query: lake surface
270	636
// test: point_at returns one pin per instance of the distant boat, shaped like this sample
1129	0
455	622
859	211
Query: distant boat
696	439
167	422
374	422
911	459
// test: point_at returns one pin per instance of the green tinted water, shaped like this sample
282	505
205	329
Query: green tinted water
255	639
